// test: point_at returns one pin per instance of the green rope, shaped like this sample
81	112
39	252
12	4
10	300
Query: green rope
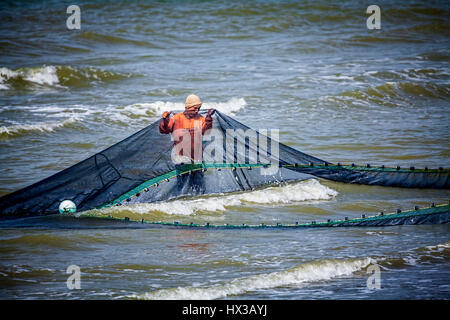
433	209
376	169
188	168
183	169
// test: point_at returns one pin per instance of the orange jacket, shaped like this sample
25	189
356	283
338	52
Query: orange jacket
181	121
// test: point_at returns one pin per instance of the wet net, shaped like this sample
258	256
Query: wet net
144	168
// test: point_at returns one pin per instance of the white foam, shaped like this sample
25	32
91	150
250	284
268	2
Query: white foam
412	261
149	109
281	195
338	77
49	109
45	75
6	74
158	107
438	247
298	276
229	107
40	127
302	191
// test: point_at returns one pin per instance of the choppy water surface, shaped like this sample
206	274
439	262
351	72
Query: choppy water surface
335	89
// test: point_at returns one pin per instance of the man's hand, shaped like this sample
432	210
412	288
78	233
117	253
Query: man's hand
211	112
166	114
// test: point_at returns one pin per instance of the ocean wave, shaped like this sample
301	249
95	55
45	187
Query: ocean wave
435	56
376	40
105	38
439	253
433	253
41	76
390	94
417	89
144	110
300	275
49	240
229	107
23	273
434	28
409	74
25	129
55	76
280	195
304	274
77	77
408	13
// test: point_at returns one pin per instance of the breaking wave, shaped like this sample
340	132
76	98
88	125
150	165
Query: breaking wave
279	195
55	76
427	254
68	116
38	76
297	276
230	107
155	109
389	94
24	129
302	275
396	89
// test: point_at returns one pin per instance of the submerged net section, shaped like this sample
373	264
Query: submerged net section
141	169
435	214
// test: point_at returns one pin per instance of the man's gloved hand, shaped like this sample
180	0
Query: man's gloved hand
211	112
166	114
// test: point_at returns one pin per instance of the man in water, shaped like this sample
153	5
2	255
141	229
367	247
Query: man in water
187	129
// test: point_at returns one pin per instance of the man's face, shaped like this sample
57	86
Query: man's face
192	111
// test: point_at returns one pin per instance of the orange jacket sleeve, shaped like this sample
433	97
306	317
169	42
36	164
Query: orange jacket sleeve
166	125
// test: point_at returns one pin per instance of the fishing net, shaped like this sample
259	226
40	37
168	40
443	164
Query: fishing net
145	168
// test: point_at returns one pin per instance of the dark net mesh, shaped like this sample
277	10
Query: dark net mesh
141	169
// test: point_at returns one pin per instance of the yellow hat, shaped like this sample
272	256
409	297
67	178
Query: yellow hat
192	100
